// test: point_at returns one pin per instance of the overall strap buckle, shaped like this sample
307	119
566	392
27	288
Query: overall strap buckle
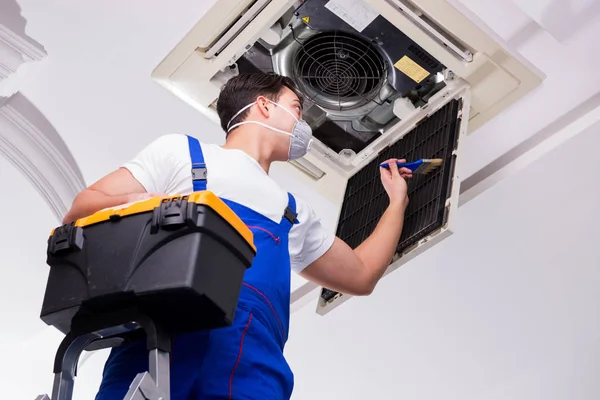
199	172
290	215
290	211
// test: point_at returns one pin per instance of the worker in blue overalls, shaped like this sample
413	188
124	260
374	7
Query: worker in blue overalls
262	115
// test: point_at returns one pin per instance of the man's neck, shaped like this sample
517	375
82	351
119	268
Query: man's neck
251	141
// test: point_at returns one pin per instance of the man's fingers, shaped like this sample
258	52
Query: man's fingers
393	169
393	166
389	163
385	172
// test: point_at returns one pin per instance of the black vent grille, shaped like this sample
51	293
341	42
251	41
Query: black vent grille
423	57
366	200
338	70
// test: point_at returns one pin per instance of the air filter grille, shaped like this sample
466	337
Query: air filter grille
366	200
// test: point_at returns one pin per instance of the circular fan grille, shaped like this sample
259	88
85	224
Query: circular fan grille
339	70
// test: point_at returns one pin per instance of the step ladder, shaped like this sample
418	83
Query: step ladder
111	330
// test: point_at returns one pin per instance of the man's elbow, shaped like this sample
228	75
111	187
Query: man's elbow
67	219
363	283
365	288
75	212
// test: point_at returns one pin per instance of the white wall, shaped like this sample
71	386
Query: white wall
27	343
506	308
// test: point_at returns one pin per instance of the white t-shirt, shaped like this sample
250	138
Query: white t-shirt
164	166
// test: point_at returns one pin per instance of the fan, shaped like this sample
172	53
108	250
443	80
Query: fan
338	70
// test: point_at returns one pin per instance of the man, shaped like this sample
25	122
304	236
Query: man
262	115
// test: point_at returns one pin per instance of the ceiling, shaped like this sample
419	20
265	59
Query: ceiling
502	309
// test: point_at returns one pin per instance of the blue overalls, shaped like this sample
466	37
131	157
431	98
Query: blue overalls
245	360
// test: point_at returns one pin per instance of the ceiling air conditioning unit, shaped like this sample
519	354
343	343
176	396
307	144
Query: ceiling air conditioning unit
381	79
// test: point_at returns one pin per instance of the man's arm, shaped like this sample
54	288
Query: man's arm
150	171
356	272
118	187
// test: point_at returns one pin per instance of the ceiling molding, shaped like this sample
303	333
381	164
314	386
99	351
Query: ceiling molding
18	55
32	145
27	139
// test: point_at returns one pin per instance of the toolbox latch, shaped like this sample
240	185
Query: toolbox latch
66	237
171	214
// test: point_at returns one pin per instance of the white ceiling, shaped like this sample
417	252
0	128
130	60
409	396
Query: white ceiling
502	309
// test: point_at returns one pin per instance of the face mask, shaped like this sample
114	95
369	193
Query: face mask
300	136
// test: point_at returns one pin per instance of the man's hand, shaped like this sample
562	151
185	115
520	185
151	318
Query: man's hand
357	271
394	181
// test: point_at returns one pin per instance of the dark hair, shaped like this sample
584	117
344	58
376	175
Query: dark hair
243	89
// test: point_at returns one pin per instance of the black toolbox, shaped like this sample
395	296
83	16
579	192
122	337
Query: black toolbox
180	260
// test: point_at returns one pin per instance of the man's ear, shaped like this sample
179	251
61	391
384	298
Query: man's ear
264	106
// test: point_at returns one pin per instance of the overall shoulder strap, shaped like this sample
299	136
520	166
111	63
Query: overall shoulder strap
290	213
198	165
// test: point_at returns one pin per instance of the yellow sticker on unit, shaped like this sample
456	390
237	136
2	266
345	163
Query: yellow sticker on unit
413	70
306	19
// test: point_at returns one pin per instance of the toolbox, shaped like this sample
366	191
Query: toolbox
180	260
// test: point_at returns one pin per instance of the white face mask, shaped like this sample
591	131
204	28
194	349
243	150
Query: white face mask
300	136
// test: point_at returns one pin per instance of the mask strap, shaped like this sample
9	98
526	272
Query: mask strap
238	113
258	123
285	108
